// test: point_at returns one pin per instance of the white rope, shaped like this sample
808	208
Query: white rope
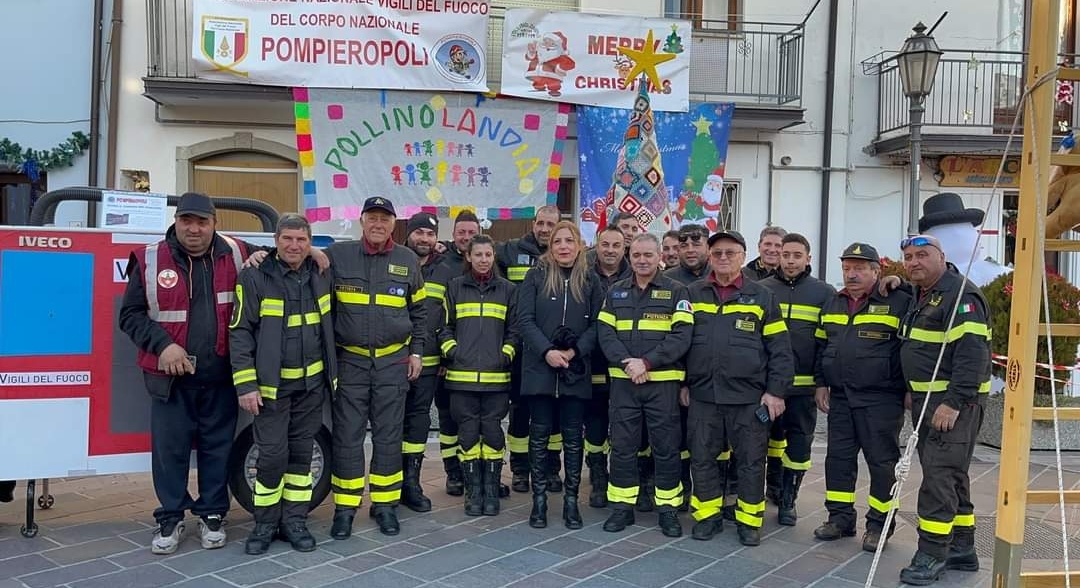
903	466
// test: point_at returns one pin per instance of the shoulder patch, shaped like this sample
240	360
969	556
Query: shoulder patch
966	308
620	294
661	294
684	305
524	259
398	270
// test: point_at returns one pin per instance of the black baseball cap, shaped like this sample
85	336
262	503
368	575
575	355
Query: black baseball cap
735	236
861	251
196	204
379	203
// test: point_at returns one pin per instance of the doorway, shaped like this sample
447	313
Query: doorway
247	174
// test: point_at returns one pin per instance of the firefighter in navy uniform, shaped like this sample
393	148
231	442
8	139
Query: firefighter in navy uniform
738	369
610	266
955	404
864	398
801	297
380	323
283	360
515	258
644	330
479	340
421	233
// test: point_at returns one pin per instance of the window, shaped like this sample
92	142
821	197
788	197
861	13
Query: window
709	14
728	217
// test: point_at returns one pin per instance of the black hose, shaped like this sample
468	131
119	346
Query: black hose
44	211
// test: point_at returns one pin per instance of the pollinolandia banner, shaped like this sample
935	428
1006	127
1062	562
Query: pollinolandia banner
426	151
401	44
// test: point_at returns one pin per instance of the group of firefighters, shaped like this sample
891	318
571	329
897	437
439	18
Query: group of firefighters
694	387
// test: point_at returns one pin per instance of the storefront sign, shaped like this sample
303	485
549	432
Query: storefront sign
961	171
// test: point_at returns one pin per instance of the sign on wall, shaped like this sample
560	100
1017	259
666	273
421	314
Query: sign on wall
959	171
426	151
406	44
574	57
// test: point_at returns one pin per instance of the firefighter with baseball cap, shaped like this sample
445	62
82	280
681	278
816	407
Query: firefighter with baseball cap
739	368
946	310
864	397
283	359
644	330
380	323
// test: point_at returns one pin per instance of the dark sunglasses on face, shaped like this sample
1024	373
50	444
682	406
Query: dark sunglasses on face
920	241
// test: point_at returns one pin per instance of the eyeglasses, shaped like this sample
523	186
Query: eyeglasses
728	253
696	238
920	241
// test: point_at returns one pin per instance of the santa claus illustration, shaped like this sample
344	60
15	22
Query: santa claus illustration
712	198
548	63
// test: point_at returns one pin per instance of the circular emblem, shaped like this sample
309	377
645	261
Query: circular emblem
459	58
1012	374
167	278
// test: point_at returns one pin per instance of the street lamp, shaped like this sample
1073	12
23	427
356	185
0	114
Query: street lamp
918	62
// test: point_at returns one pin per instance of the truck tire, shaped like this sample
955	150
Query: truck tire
242	462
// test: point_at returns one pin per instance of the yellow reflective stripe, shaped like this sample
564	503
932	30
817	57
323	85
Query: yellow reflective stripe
297	373
684	454
964	520
478	377
260	489
748	519
882	506
430	360
391	300
820	334
267	496
324	304
494	310
834	319
775	452
447	346
448	439
599	379
419	296
935	386
383	496
790	464
308	318
724	455
489	452
299	480
645	452
266	500
706	307
379	351
774	328
467	310
470	454
749	507
517	444
671	497
239	307
801	312
449	452
347	484
984	388
654	376
296	495
753	309
654	325
243	376
704	509
607	318
624	325
435	290
347	499
593	448
381	480
778	443
516	273
352	297
272	307
968	328
926	335
804	380
480	310
268	392
837	496
682	316
877	319
407	447
935	527
509	350
623	495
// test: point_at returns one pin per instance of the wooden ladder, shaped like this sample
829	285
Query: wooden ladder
1024	327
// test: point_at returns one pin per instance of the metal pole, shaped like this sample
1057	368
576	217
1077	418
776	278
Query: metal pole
916	165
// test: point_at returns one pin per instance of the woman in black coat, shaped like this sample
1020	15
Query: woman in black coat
557	307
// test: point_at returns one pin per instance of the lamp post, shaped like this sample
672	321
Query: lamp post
918	62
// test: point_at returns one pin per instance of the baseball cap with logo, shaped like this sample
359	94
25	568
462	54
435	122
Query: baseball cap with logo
379	203
861	251
732	235
196	204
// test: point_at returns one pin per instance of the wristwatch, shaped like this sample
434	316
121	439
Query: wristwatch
416	355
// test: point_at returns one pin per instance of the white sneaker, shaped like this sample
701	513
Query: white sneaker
212	532
167	538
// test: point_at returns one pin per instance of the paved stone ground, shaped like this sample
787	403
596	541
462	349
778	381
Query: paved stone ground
96	536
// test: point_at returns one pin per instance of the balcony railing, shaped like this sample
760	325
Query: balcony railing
975	92
757	63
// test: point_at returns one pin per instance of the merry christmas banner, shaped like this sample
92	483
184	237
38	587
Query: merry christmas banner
425	151
693	151
403	44
574	57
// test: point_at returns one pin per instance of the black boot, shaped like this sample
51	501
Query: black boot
519	467
297	534
412	494
774	469
538	464
647	487
962	556
621	517
872	536
789	492
258	542
749	536
474	487
554	460
669	524
492	474
343	518
830	531
386	517
455	483
573	452
923	570
598	479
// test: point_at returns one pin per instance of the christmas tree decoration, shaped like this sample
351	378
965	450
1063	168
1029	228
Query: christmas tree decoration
637	185
699	202
673	42
1064	93
32	162
646	60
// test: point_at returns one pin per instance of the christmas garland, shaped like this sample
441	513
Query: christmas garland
31	162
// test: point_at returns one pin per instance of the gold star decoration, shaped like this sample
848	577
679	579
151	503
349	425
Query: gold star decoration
702	125
646	60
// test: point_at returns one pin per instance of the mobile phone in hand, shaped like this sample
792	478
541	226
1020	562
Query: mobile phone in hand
192	360
762	413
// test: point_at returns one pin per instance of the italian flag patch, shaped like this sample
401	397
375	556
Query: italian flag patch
966	308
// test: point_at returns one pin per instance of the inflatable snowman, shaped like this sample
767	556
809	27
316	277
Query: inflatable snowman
945	217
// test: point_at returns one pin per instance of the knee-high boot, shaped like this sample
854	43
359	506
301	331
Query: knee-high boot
538	466
573	454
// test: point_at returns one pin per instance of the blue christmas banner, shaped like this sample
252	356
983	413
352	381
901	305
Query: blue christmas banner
693	150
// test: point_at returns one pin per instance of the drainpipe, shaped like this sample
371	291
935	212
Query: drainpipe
95	106
114	93
826	142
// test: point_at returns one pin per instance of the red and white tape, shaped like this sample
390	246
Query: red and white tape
1002	360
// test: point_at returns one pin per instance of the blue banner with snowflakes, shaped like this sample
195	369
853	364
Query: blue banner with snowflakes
693	150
